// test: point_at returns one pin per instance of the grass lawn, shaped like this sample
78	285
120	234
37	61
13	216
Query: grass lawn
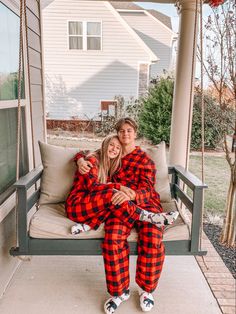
217	176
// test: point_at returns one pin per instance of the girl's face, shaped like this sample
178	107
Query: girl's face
127	134
114	148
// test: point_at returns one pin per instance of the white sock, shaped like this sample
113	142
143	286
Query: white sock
78	228
146	301
159	219
112	304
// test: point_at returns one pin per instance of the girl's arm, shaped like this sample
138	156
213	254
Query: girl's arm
91	178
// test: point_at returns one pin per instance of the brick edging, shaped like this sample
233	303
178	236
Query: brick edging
218	277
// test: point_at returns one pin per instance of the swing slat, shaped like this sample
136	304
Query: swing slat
92	247
185	198
33	199
35	246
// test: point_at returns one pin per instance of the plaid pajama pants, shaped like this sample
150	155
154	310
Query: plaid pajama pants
99	207
151	254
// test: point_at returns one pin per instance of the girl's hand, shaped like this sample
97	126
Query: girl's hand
129	192
119	197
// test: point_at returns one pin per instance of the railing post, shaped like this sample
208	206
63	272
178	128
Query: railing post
22	219
196	219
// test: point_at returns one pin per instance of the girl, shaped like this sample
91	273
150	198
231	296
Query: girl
90	200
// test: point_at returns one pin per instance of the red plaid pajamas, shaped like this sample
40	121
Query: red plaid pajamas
138	173
89	201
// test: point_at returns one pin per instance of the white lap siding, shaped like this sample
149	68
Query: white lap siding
77	80
156	35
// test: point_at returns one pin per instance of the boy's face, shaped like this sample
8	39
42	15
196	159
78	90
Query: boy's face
127	134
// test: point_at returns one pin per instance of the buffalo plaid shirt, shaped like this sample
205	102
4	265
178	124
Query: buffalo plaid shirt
137	172
87	184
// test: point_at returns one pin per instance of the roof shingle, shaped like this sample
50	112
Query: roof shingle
124	5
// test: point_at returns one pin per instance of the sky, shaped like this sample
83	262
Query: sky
170	10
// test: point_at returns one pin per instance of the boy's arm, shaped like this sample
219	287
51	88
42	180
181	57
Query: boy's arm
146	183
83	165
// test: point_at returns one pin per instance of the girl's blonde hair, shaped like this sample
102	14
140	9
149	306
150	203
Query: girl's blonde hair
107	167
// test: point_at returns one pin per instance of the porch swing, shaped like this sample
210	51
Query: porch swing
49	229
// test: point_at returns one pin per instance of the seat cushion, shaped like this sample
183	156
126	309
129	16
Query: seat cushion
50	222
59	169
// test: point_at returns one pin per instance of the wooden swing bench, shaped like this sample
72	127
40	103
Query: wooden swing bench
48	231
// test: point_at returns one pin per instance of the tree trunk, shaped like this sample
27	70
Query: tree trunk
228	232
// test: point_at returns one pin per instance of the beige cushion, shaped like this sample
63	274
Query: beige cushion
158	155
59	172
50	222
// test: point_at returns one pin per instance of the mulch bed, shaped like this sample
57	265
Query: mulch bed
227	254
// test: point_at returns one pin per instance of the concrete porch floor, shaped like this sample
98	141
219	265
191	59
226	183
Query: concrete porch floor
72	284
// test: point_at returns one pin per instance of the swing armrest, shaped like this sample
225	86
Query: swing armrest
29	179
25	203
194	203
178	190
187	177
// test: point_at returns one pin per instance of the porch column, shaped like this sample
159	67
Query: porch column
182	103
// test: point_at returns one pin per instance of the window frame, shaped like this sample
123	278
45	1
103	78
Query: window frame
9	200
84	35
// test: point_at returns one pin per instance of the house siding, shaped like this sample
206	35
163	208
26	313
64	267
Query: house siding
77	80
36	75
9	264
155	35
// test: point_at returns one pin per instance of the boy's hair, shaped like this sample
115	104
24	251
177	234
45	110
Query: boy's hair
127	120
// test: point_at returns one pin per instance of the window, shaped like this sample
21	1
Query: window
9	60
75	35
85	35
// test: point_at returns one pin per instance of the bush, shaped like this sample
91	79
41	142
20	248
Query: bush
217	122
155	116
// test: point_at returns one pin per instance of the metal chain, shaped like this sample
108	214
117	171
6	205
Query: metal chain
202	102
202	116
18	135
23	21
191	86
191	95
29	82
18	139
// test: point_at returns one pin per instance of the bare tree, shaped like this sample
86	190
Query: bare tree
219	66
220	50
228	232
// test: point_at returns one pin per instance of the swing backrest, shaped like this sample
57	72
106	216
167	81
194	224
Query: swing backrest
59	172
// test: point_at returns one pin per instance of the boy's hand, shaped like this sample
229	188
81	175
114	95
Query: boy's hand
84	166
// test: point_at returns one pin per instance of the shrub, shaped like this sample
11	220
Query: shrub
155	115
217	122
